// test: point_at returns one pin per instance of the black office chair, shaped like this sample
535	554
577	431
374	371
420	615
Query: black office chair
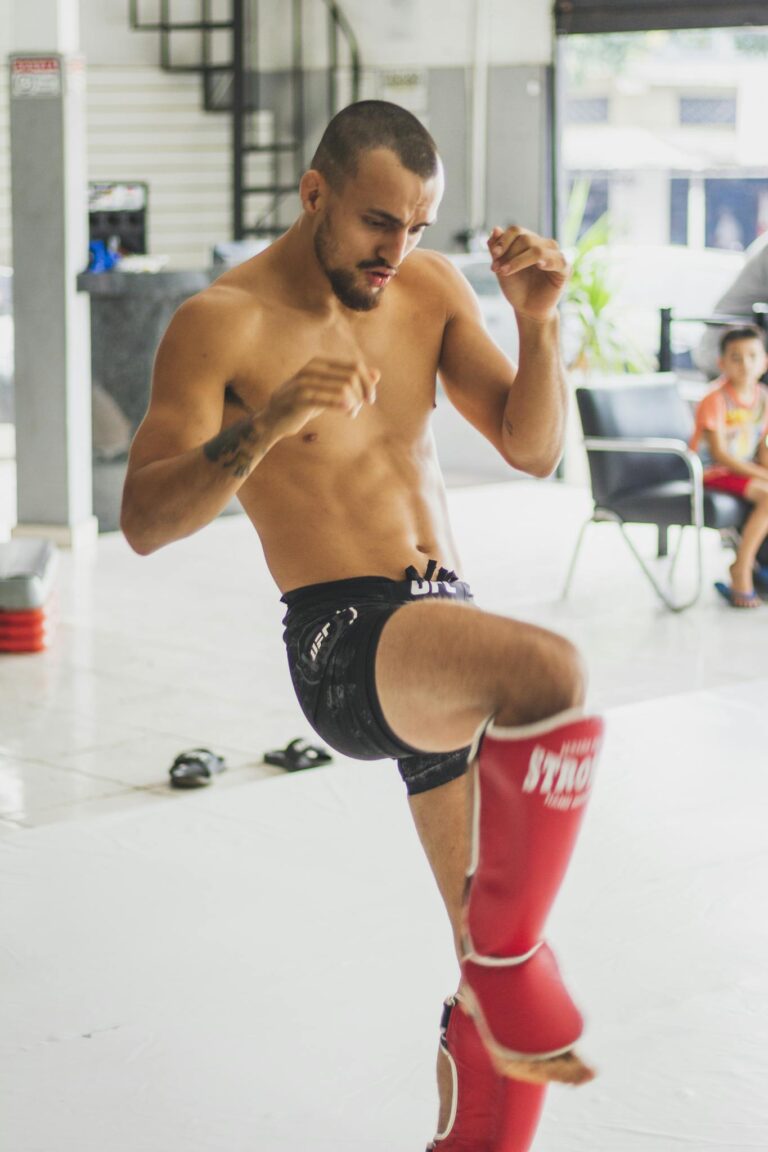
642	472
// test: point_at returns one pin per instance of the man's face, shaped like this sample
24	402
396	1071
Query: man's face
369	227
743	361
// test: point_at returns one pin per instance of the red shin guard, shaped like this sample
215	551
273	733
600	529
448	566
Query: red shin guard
489	1113
531	789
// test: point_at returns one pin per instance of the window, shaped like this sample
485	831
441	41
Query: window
680	166
596	203
735	212
588	110
720	110
678	210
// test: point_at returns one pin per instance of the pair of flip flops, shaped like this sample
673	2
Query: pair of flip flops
195	768
297	756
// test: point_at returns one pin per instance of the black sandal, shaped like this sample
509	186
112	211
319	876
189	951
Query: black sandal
297	756
195	768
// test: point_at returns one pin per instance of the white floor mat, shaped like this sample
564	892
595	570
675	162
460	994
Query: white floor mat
260	968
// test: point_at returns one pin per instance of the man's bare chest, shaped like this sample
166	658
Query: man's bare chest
404	350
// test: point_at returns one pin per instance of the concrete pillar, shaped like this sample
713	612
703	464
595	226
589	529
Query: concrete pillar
697	213
50	246
519	179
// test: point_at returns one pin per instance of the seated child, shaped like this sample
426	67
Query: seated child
730	437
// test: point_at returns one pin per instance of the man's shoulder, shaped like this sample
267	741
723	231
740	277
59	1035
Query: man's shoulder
220	308
434	276
427	262
227	294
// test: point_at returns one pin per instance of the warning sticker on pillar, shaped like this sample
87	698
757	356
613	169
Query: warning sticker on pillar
75	73
35	76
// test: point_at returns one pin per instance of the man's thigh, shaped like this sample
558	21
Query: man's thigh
442	669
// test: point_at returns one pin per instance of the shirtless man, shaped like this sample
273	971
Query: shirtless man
303	381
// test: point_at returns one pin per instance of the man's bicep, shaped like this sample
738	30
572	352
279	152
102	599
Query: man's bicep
170	430
187	397
475	373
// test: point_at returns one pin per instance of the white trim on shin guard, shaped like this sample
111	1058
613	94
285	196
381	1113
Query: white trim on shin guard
488	1113
450	1005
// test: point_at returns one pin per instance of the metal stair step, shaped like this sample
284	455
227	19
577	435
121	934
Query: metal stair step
269	189
201	69
280	146
227	87
187	26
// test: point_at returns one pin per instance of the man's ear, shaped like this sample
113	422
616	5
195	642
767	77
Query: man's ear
313	190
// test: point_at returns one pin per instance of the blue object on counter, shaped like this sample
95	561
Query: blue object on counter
102	256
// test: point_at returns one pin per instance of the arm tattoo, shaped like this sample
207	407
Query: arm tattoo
233	447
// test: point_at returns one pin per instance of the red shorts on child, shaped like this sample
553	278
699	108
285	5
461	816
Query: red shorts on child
723	480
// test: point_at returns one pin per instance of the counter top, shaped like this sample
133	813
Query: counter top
179	282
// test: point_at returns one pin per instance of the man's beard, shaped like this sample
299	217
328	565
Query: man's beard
342	281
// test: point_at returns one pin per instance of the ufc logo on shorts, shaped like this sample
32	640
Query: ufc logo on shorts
431	588
318	640
322	635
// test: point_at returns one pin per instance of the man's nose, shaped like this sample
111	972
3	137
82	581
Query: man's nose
392	250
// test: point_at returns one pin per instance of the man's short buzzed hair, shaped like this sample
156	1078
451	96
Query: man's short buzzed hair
372	124
745	332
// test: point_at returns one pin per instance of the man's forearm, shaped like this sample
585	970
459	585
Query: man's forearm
167	500
535	412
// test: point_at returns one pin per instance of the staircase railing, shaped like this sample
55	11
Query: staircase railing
236	85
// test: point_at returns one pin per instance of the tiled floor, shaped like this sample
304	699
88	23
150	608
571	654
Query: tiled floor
259	969
152	655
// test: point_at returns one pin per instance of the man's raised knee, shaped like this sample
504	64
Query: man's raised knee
554	680
564	678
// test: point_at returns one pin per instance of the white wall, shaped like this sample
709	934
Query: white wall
106	38
5	25
439	33
392	33
144	124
